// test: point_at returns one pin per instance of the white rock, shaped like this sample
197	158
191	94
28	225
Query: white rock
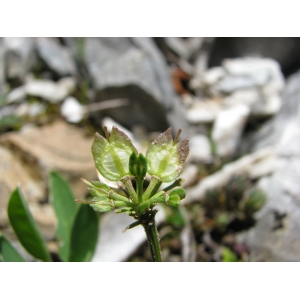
203	112
252	72
49	90
261	70
231	83
200	150
213	75
228	127
259	103
267	107
114	245
67	83
72	110
246	96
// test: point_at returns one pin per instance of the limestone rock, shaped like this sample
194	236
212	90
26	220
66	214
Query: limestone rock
3	87
203	112
282	49
50	90
252	166
114	245
275	235
57	57
72	110
228	128
134	69
200	149
20	56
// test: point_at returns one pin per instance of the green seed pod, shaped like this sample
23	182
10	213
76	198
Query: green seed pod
166	157
111	155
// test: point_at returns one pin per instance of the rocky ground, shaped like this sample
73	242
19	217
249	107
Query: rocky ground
237	99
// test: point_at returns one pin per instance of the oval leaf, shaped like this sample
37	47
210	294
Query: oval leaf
25	227
65	208
84	234
7	252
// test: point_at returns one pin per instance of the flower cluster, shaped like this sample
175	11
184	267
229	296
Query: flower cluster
118	161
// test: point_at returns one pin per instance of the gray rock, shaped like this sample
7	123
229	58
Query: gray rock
134	69
30	109
227	129
57	57
184	48
253	166
251	72
20	56
275	235
283	49
272	130
3	87
7	110
16	95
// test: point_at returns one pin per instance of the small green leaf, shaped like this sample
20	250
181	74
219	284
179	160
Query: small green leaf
84	234
122	210
255	201
65	208
7	252
101	207
176	196
25	227
228	255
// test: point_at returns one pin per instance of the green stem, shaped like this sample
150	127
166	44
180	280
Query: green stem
128	184
177	182
152	188
152	237
139	188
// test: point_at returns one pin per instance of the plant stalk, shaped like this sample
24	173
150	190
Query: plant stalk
152	237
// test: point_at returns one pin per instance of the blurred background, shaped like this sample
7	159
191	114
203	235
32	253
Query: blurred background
236	98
